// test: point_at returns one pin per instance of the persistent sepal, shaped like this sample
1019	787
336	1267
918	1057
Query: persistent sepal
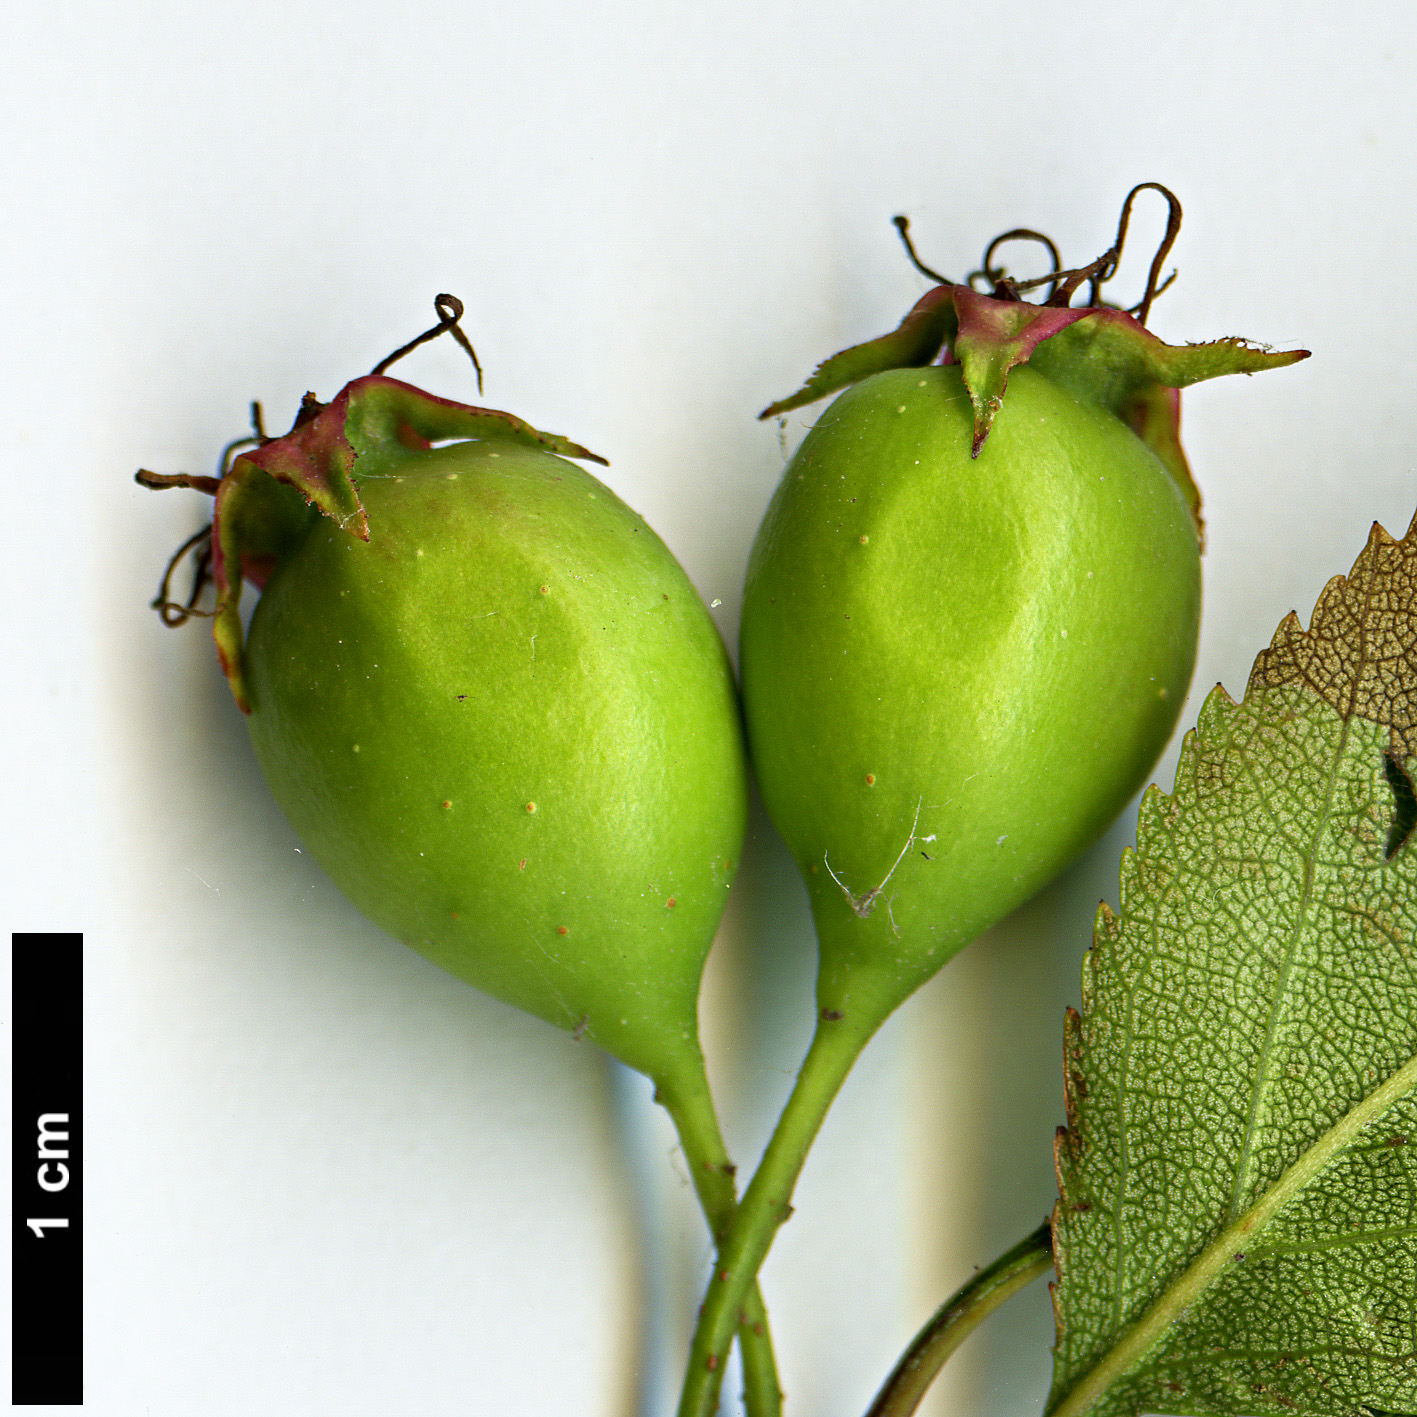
994	335
929	326
1110	359
1100	355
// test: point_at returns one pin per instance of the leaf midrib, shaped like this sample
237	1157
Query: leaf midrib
1264	1069
1133	1345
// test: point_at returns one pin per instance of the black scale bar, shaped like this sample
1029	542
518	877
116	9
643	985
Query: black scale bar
47	1275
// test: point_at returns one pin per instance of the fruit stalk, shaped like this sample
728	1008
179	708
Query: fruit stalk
957	1318
690	1107
767	1203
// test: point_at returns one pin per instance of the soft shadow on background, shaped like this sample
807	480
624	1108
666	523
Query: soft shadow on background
325	1179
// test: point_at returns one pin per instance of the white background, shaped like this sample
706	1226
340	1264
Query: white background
324	1178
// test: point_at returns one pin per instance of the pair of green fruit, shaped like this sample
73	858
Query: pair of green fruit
495	710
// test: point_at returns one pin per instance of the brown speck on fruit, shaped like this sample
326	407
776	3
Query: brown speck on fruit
864	539
521	865
461	698
814	868
830	1015
562	930
713	1362
870	779
530	807
455	915
671	903
666	597
447	806
546	590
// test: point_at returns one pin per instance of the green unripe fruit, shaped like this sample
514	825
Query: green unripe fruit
493	707
970	617
956	670
491	703
969	621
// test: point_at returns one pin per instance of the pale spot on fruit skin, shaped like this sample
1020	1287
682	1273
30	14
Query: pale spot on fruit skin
356	747
864	540
419	552
901	409
450	477
530	807
1063	633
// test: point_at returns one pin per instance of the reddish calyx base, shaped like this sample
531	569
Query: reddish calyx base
1100	354
265	500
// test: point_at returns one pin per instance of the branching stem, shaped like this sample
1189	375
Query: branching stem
766	1204
690	1107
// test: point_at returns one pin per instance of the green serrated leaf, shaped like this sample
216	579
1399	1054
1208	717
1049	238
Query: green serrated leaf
1237	1227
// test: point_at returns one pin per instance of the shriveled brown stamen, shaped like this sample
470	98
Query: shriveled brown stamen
902	225
176	612
450	311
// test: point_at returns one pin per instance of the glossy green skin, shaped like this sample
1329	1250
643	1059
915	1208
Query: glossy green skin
511	634
1001	645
